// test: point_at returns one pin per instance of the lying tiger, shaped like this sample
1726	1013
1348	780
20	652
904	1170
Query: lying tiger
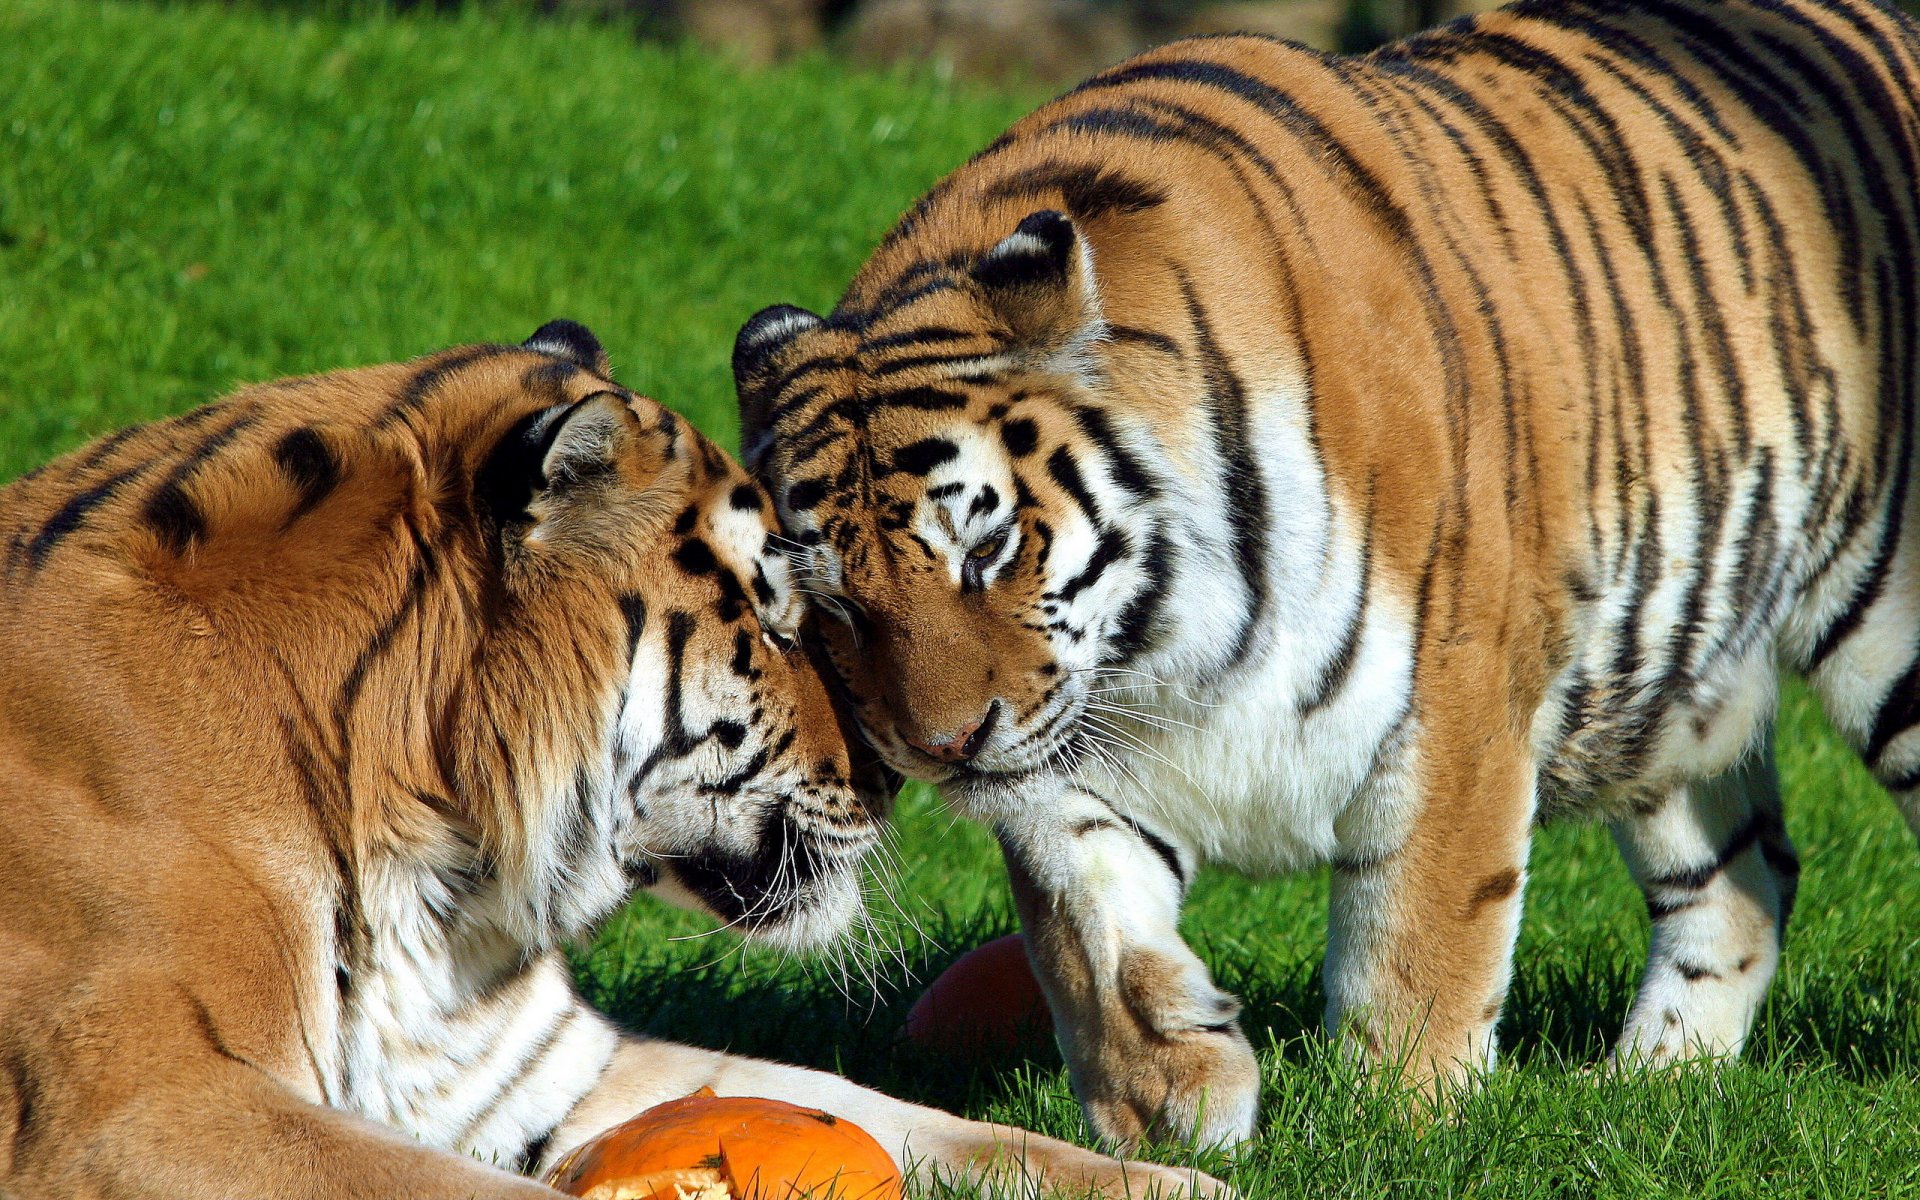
1272	458
329	711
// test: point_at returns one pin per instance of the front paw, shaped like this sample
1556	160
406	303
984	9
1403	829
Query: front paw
1201	1087
1166	1060
1063	1170
1150	1180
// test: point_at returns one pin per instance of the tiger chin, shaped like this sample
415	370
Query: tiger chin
1271	458
330	711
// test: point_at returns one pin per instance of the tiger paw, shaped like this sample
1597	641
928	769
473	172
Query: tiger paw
1200	1087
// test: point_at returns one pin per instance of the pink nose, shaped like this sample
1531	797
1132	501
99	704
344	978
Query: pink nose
960	745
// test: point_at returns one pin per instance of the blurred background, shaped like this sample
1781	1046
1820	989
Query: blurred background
1051	41
1037	41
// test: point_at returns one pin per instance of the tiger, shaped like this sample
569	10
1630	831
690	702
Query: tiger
333	711
1279	459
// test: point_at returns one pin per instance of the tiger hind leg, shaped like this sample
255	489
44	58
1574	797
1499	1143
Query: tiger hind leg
1719	877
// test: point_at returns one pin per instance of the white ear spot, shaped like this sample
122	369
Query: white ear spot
778	325
1020	243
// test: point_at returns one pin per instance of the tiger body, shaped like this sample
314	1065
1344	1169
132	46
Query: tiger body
331	711
1270	458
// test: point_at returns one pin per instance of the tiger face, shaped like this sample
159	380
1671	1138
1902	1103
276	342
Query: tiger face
728	783
979	574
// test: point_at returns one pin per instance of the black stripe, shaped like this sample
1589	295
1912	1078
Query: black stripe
203	1017
1660	910
310	466
1899	712
921	457
1334	676
1144	337
1020	436
920	335
174	518
99	451
172	514
438	370
1090	191
1065	472
679	740
1112	548
377	646
747	773
1162	848
1226	403
633	608
1121	464
528	1160
1699	877
806	495
72	516
921	399
1133	628
1324	149
529	1062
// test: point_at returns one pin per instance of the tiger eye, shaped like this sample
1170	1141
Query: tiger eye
988	548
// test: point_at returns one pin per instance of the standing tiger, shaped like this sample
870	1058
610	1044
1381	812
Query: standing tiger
329	711
1270	458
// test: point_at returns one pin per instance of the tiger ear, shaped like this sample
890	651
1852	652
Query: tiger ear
571	341
569	461
755	350
1039	280
587	439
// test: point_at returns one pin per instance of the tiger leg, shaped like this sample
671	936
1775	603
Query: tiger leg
1421	929
1153	1046
1719	877
933	1144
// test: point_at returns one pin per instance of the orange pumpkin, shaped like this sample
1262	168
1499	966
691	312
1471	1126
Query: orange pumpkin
986	1003
708	1147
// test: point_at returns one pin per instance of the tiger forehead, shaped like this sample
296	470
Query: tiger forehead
726	538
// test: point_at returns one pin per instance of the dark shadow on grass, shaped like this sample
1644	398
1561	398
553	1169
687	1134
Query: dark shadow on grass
810	1016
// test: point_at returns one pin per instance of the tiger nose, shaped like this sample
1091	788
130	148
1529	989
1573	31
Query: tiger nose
960	745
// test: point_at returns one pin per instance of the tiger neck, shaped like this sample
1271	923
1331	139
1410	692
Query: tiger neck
451	1026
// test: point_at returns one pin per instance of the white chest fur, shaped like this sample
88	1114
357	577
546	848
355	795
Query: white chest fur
1291	758
460	1040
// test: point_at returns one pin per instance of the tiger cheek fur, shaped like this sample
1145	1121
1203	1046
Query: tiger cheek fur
1419	445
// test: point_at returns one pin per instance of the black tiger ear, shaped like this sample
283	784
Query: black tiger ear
551	460
755	349
571	341
1039	281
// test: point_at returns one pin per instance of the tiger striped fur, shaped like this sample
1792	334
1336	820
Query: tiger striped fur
329	711
1271	458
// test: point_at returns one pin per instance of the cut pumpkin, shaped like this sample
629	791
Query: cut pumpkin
708	1147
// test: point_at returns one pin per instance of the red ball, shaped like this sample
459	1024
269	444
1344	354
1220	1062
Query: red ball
987	1003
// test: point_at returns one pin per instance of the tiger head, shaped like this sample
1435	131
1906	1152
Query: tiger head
494	616
971	522
723	780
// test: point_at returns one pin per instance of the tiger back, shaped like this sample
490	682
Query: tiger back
1266	457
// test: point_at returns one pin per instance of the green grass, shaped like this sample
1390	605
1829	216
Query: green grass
190	198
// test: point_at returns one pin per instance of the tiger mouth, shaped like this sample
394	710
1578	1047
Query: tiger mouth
800	886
